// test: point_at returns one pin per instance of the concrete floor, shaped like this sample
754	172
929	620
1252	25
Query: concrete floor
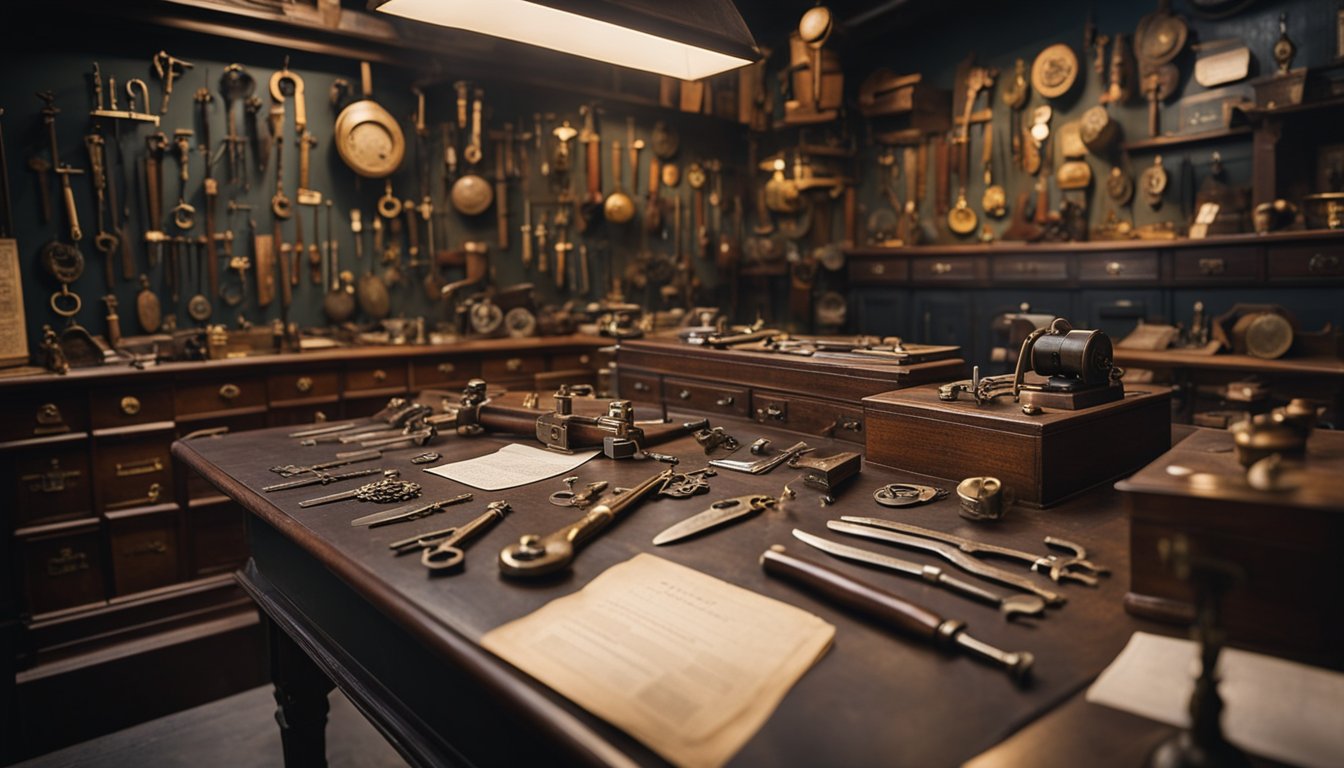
236	731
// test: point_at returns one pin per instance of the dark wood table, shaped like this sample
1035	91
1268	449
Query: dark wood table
404	645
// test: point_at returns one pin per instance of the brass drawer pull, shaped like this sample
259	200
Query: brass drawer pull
851	425
66	562
229	392
684	394
585	359
49	420
304	384
445	368
776	411
51	481
152	547
151	496
1321	263
878	269
141	467
1114	268
725	401
514	364
379	375
640	386
130	405
940	268
1212	267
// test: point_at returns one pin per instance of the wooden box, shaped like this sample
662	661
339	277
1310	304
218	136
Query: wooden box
1288	543
1042	460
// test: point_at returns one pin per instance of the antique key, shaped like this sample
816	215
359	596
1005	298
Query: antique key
580	499
685	484
442	549
290	470
385	491
323	478
413	511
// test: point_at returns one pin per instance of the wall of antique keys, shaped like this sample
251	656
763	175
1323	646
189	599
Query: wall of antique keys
307	217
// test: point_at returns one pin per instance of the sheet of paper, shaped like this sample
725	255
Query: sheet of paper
688	664
511	466
1273	708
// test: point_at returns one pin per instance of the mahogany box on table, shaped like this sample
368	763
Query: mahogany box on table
1290	544
1042	459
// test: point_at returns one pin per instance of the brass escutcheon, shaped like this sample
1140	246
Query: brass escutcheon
304	384
229	392
130	405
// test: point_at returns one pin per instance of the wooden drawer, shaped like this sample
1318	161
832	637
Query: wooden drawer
35	414
50	482
1210	266
126	403
133	470
62	568
570	361
878	271
949	270
144	549
1306	262
1118	267
803	414
642	387
302	385
706	396
216	538
390	374
222	393
361	407
1033	268
288	416
495	369
438	373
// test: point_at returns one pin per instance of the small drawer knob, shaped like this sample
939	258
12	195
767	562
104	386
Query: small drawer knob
585	359
640	386
1114	268
446	368
725	401
130	405
684	394
514	364
879	269
304	384
941	268
379	375
229	392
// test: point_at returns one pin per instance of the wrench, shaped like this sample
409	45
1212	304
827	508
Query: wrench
1057	567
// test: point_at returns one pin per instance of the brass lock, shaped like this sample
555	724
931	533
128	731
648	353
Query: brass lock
379	375
49	420
229	392
67	561
304	384
130	405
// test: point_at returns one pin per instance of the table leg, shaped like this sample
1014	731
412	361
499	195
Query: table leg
301	701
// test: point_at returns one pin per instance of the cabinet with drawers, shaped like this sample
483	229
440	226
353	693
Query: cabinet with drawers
116	548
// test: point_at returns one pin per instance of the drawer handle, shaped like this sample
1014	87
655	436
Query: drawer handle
1114	268
130	405
725	401
66	562
304	384
141	467
151	496
940	268
684	394
640	386
445	368
152	547
49	420
379	375
773	411
229	392
879	269
51	481
585	359
1211	266
851	425
1321	263
513	364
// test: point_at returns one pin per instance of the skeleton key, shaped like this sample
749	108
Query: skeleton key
443	549
322	478
413	511
385	491
290	470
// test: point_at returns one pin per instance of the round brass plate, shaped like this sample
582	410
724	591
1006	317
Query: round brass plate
961	219
815	26
472	195
369	140
1159	38
1119	187
1054	71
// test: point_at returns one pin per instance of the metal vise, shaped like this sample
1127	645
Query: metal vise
618	424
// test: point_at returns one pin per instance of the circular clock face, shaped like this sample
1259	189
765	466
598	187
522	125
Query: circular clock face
520	322
486	318
1119	186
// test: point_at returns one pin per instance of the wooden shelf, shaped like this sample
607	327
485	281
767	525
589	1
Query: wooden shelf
1163	142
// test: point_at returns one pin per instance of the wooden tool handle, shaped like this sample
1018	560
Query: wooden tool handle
655	177
594	171
878	604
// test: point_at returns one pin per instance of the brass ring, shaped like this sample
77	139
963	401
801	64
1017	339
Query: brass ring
74	297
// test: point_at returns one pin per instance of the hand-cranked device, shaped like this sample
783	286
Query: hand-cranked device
1078	366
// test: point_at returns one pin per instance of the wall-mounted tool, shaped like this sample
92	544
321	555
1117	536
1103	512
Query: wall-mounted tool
471	194
184	214
367	137
111	112
167	68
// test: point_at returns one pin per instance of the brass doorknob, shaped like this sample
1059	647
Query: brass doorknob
130	405
304	384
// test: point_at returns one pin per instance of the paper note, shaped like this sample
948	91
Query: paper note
511	466
690	665
1274	708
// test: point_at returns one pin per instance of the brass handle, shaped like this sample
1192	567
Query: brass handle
513	364
851	425
67	561
725	401
379	375
640	386
152	547
140	467
1114	268
229	392
879	269
1321	263
584	359
1211	266
940	268
684	394
130	405
446	368
304	384
773	411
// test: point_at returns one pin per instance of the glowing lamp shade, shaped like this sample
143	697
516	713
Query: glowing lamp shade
686	39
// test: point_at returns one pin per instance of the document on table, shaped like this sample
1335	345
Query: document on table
511	466
690	665
1274	708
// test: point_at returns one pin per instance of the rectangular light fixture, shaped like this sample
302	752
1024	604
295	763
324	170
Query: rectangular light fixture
686	39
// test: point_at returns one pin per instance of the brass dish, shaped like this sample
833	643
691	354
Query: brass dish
1055	71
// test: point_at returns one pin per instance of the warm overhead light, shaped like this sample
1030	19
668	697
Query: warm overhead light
687	39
